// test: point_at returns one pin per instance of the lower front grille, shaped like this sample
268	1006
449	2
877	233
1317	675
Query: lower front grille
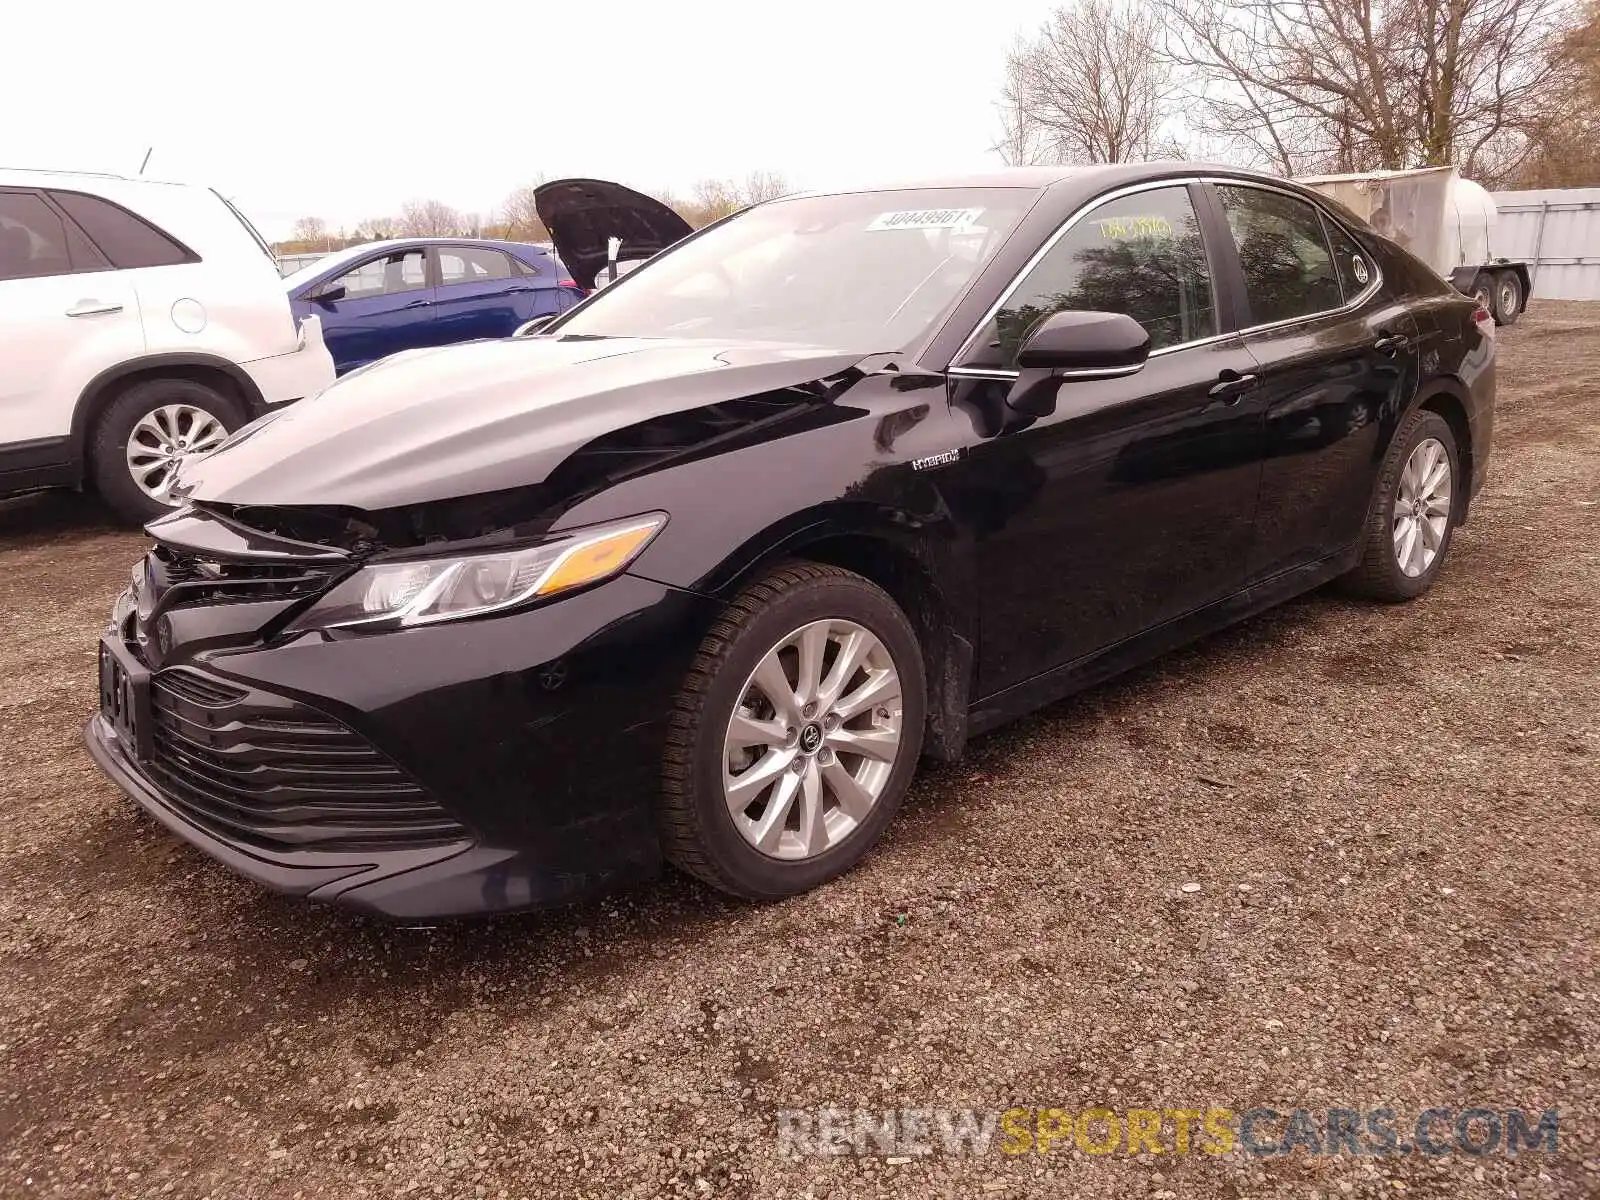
263	770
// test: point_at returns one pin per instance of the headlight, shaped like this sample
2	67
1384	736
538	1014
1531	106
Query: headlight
423	591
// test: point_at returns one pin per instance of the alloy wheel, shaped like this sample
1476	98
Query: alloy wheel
813	739
163	439
1422	507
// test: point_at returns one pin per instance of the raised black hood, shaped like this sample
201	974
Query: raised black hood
556	415
582	213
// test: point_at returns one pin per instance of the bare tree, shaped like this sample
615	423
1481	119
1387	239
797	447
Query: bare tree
764	185
376	229
311	230
1021	142
711	200
430	218
1566	145
1356	84
1088	87
519	216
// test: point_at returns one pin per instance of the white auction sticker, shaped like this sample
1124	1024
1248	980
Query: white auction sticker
926	218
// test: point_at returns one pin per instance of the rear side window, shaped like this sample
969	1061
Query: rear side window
128	241
471	264
522	267
1288	267
1140	255
1353	264
36	242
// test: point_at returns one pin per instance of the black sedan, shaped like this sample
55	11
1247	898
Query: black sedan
701	570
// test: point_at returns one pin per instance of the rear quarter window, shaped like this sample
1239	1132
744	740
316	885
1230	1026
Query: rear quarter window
128	241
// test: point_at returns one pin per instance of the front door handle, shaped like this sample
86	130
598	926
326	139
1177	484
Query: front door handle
1231	386
93	308
1391	343
419	304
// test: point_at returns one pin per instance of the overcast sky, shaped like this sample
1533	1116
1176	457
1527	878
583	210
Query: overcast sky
346	109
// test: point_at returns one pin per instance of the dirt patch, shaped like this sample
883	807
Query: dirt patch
1387	818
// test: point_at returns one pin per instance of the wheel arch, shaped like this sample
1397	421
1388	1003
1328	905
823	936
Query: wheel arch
226	377
921	576
1449	398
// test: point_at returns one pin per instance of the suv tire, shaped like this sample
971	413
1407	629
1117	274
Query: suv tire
173	415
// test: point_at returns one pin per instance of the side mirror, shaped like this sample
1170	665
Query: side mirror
329	294
1087	344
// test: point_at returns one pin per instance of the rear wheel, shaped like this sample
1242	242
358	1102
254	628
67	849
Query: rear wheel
1418	495
795	736
1507	297
144	436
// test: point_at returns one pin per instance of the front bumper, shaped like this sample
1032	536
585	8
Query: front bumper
539	735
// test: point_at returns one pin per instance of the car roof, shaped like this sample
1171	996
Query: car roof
46	177
361	249
197	216
1043	178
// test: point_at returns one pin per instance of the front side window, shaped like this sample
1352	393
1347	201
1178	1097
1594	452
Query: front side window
33	238
1288	267
863	271
1141	255
126	240
402	271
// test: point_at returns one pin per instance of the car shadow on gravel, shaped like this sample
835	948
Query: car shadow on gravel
39	517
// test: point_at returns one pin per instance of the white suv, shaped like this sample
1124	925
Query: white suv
140	323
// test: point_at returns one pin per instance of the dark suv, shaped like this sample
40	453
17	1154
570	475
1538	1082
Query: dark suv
700	571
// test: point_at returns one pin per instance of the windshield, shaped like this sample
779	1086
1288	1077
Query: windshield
867	271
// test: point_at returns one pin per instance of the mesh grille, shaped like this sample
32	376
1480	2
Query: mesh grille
264	770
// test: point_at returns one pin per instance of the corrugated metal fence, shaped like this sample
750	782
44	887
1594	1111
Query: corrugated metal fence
1557	233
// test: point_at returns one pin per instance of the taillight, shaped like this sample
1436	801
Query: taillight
1484	319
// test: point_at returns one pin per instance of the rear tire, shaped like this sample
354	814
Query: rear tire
745	713
1507	297
1412	518
139	425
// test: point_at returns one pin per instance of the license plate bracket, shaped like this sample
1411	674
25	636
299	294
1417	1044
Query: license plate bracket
125	697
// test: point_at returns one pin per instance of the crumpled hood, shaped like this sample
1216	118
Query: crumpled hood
481	417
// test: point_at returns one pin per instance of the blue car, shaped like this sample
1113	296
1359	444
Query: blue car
384	297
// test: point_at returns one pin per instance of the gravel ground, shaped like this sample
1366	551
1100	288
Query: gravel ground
1341	855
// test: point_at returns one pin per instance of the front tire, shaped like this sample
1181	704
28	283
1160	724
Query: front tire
795	736
1415	504
143	435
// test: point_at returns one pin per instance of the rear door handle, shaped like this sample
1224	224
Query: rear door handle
92	308
1391	343
1232	386
419	304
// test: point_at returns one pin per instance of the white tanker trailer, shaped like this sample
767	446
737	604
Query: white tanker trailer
1446	221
